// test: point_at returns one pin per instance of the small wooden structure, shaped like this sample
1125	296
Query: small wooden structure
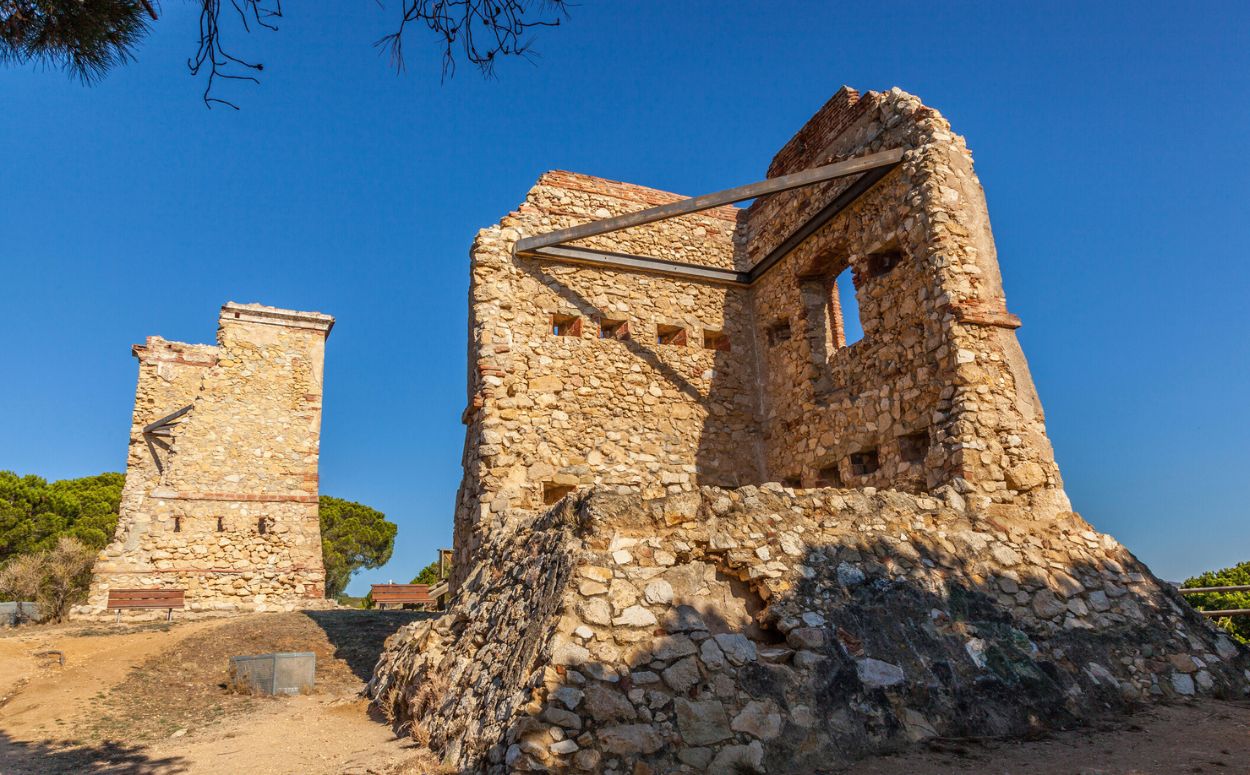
169	599
398	595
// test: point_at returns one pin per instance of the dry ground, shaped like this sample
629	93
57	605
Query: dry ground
151	700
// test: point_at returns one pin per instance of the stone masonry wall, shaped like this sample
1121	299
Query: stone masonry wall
554	411
937	392
761	384
733	541
773	630
226	507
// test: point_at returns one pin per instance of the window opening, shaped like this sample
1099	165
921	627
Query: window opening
262	526
675	335
552	492
829	476
865	462
221	524
715	340
913	447
566	325
779	332
843	295
613	329
883	261
177	524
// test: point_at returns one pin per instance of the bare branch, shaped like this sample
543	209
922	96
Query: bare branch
483	31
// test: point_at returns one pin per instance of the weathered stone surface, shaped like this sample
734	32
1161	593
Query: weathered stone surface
893	510
758	719
682	675
225	508
701	722
875	674
737	648
630	739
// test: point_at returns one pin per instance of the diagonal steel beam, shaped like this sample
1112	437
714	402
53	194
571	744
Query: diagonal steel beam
155	428
708	201
823	216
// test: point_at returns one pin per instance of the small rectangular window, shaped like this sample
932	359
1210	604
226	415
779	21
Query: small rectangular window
262	526
566	325
674	335
221	524
881	262
829	476
177	524
613	329
865	462
552	492
715	340
913	447
779	332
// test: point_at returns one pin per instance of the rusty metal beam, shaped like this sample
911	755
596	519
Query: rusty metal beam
696	204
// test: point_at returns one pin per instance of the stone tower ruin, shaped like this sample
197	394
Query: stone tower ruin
221	485
700	531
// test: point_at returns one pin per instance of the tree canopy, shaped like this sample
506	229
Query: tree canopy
35	514
88	38
353	536
428	575
1236	576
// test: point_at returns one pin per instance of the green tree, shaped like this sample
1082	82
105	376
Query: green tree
34	515
428	575
1236	576
353	536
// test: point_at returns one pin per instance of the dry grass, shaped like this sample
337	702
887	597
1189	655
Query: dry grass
187	687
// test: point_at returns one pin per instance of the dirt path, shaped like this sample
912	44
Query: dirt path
50	696
152	700
1205	737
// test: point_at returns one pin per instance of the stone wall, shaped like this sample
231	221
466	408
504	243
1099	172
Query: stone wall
760	384
937	392
620	410
225	505
887	553
785	631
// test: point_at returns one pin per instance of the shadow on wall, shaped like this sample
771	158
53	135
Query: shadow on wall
18	757
852	663
359	636
722	457
880	643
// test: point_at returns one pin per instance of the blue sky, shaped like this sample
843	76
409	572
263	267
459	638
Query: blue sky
1112	143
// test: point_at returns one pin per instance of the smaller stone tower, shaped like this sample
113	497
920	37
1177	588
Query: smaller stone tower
221	481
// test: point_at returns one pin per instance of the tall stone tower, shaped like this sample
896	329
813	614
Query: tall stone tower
221	481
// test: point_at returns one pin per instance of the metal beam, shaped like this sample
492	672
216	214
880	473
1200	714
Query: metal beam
826	213
708	201
156	427
625	261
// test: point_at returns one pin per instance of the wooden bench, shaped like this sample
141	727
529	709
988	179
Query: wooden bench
168	599
399	594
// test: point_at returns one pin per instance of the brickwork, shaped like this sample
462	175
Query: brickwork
225	506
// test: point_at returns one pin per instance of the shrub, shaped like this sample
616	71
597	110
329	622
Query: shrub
55	578
1238	575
